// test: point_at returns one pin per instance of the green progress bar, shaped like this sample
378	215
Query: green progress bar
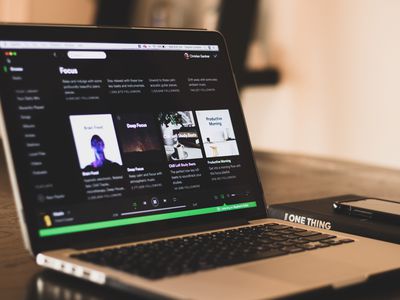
136	220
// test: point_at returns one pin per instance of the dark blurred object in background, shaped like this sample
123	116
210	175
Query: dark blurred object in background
110	13
237	22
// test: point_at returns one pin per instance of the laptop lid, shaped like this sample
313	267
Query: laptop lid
118	132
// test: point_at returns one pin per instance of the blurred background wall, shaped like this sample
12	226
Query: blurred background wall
339	94
48	11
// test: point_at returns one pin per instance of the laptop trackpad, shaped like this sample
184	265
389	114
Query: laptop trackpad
306	269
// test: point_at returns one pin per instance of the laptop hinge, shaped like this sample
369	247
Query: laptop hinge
163	234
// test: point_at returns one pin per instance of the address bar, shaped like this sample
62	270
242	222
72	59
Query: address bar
87	54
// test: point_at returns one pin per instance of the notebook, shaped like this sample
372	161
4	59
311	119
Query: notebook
131	167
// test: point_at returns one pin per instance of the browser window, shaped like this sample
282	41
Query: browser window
118	134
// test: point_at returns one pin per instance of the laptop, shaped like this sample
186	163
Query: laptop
131	167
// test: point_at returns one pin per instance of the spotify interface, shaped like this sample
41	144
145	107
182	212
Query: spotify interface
107	134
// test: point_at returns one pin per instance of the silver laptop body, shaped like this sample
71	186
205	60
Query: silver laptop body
123	137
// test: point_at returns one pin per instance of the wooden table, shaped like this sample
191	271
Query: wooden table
285	177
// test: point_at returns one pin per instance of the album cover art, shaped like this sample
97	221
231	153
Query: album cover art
180	135
95	141
217	133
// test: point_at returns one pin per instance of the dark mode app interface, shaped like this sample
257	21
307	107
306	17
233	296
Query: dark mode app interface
107	135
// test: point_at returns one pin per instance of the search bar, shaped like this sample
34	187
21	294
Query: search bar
87	54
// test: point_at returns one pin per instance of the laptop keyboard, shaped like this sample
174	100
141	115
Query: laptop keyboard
189	254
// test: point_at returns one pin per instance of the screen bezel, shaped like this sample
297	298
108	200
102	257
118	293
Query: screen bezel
123	35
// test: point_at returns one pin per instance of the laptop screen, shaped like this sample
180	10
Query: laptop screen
111	134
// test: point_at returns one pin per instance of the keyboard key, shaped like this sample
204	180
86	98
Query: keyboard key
286	231
275	245
271	233
306	233
307	246
290	236
279	227
346	240
278	238
292	249
318	237
331	242
298	230
300	241
288	243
